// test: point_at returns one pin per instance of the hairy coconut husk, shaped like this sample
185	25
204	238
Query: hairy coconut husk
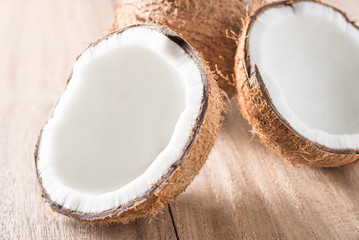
182	172
273	130
209	26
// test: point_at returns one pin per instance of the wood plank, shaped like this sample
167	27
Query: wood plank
40	40
243	192
247	192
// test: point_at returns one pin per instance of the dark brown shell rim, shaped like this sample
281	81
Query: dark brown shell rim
158	185
253	70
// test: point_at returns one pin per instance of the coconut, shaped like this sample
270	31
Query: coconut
297	75
210	26
135	124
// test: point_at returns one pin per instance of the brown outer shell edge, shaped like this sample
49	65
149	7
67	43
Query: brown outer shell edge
263	88
134	206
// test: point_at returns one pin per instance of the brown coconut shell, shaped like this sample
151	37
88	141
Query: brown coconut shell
257	107
183	170
210	26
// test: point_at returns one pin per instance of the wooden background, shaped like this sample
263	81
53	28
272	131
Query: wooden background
243	192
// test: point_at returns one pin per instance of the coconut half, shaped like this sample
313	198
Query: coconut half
210	26
297	73
136	122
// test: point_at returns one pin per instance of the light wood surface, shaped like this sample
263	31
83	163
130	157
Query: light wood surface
243	192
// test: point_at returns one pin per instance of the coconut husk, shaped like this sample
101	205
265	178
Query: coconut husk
268	124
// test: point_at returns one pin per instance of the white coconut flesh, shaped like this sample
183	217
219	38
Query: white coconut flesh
308	58
123	120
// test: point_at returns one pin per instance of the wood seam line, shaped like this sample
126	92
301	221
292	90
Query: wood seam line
173	222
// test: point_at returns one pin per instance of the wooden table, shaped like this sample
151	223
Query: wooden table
243	192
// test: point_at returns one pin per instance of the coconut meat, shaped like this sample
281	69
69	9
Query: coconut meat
307	55
123	120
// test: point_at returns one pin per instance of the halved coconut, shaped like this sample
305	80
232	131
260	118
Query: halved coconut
298	81
210	26
135	124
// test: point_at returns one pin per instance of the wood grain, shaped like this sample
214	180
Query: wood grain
243	192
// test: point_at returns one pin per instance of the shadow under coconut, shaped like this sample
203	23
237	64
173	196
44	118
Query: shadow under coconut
197	218
159	227
346	177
